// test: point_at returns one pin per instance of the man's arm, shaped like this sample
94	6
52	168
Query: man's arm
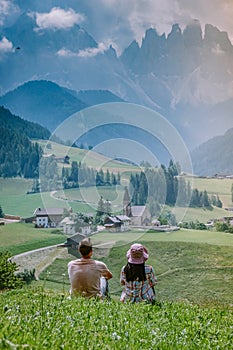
108	275
105	272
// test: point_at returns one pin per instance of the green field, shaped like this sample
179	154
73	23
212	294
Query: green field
222	187
15	201
19	238
190	265
91	159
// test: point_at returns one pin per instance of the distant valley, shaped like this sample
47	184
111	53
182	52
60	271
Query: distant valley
210	158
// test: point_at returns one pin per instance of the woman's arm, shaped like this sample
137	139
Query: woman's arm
122	277
153	279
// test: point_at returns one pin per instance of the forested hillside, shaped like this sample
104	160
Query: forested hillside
18	155
29	129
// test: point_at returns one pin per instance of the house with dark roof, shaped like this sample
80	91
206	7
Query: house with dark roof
72	244
48	217
112	224
118	223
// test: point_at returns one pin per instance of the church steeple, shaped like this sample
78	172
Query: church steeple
126	203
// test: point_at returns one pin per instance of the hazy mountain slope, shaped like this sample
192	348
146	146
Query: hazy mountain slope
214	156
49	104
43	102
94	97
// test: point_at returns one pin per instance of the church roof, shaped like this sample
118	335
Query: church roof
138	210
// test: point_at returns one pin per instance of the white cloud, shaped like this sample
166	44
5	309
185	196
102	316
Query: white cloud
7	8
5	45
92	51
86	53
57	18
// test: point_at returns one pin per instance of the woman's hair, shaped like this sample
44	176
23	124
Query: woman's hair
135	272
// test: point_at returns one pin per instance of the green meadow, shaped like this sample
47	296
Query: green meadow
19	238
194	271
192	266
194	295
90	158
16	201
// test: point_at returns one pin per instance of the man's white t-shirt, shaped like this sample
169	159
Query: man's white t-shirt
85	274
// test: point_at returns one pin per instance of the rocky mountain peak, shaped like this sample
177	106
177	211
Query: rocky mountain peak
213	36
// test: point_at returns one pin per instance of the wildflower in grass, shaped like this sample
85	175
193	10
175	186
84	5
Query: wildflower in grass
115	336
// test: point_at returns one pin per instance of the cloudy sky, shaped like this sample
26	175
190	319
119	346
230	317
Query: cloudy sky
120	21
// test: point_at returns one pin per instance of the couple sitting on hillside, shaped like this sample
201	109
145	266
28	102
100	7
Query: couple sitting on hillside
89	277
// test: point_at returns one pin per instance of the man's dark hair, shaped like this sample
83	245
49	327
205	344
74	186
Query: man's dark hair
135	272
85	250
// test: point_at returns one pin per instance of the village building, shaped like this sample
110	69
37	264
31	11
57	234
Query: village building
64	159
71	225
155	223
48	217
119	223
138	214
72	244
68	226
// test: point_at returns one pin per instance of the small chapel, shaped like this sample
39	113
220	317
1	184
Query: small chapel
139	214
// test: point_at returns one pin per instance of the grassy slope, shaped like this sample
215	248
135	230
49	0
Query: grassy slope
194	290
39	321
19	238
222	187
92	159
14	200
188	266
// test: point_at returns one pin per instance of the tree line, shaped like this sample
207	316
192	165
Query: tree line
162	185
78	175
82	175
18	155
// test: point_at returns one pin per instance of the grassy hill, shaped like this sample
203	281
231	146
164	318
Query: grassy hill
190	265
92	159
19	237
14	199
194	296
38	320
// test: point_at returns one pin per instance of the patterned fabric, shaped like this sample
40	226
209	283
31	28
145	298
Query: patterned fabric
136	291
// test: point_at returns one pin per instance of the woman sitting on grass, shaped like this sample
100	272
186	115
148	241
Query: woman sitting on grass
137	278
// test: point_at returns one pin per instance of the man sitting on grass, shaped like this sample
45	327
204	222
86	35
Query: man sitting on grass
88	276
